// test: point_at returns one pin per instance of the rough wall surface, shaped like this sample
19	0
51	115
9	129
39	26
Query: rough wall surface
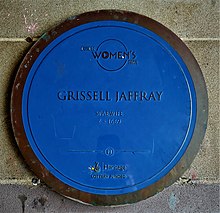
195	21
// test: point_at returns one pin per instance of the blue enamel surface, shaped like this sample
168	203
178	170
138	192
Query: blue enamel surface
77	140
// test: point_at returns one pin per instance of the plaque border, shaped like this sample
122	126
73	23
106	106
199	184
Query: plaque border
109	200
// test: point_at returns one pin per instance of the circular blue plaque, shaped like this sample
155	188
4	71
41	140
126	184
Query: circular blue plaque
108	107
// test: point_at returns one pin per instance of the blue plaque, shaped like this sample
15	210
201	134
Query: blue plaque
108	106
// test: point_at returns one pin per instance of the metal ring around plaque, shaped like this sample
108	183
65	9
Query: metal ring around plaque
109	108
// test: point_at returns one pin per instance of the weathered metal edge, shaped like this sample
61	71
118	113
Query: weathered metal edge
45	175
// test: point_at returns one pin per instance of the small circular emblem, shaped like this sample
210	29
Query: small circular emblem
109	151
112	55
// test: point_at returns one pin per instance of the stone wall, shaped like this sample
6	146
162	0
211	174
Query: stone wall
195	21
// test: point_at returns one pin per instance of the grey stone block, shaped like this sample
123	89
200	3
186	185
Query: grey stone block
175	199
191	18
206	163
11	163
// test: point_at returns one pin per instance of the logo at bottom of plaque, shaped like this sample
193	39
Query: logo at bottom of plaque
107	171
